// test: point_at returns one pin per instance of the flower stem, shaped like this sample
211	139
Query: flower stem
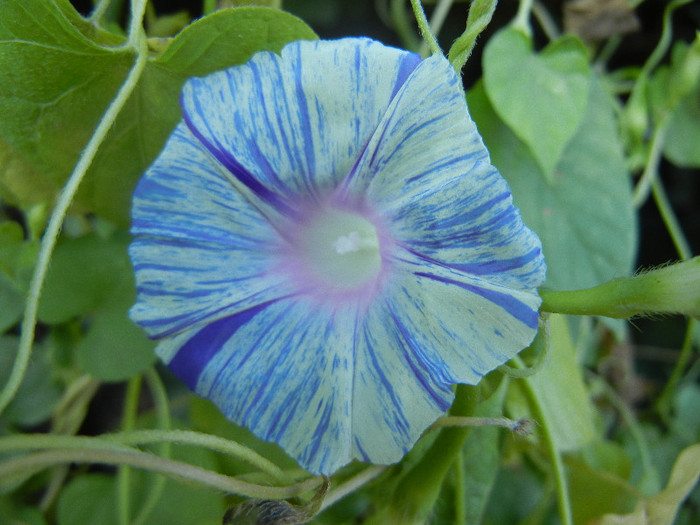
671	289
138	41
215	443
18	468
521	22
352	485
160	398
650	173
665	399
424	27
131	401
562	488
414	495
670	220
436	20
480	14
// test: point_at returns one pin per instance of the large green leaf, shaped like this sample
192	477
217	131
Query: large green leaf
58	74
55	82
541	97
584	216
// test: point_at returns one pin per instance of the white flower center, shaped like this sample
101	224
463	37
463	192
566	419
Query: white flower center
342	249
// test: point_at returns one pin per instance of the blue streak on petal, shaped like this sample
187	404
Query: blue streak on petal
510	304
234	167
407	63
196	353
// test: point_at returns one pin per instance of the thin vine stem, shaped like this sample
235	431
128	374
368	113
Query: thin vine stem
666	36
629	419
125	441
137	41
99	11
666	396
162	412
424	27
670	220
129	413
651	169
546	20
437	19
353	484
561	483
21	467
214	443
521	21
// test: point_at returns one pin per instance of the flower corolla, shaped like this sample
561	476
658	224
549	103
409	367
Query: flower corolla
323	248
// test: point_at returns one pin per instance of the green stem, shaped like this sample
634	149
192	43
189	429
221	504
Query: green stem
546	21
436	21
480	14
663	404
670	220
414	497
215	443
99	12
670	289
650	173
351	485
666	37
424	27
27	442
521	21
562	488
631	422
18	468
138	42
157	487
131	402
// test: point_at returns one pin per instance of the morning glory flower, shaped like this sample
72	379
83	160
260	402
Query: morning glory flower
323	249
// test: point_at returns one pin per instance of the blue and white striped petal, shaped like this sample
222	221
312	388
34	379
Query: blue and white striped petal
328	386
463	325
295	123
284	370
427	170
201	250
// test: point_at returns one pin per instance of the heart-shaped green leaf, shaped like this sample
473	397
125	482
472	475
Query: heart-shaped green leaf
58	73
583	213
541	97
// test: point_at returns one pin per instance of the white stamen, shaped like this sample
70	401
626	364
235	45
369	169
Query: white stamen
347	243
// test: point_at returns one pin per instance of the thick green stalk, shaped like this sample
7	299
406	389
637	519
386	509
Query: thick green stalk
416	492
671	289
